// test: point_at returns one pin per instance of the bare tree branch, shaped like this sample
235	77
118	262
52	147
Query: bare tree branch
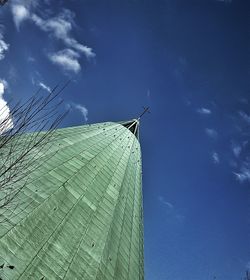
2	2
34	122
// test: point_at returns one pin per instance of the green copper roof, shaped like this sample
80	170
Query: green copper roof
80	214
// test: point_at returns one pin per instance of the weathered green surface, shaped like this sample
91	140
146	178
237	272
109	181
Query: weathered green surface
80	216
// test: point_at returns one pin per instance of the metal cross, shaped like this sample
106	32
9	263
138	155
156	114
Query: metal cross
146	110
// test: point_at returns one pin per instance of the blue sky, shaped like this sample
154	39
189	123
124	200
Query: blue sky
188	61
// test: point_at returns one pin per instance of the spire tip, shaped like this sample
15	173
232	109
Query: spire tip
145	110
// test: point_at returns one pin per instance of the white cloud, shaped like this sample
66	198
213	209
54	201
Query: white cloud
245	117
148	93
20	13
204	111
243	176
45	87
211	133
87	51
5	84
36	78
31	59
164	202
83	110
236	149
215	158
244	173
3	47
6	121
59	27
66	58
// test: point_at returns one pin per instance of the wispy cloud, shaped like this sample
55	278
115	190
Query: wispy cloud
236	149
215	158
240	161
20	13
148	93
58	27
244	172
243	176
81	108
37	81
164	202
31	59
212	133
21	10
3	47
45	87
245	116
173	214
84	111
66	58
6	121
204	111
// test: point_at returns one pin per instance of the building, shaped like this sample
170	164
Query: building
80	214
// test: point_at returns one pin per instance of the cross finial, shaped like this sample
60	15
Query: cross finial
145	110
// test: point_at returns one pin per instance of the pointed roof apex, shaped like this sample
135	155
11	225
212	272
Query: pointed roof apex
132	125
